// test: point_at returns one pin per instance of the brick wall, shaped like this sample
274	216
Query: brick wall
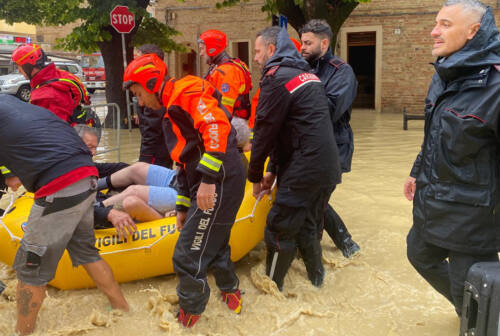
406	71
192	17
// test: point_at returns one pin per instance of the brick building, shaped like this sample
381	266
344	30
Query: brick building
387	43
389	46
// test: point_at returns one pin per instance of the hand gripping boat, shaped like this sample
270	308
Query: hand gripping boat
147	254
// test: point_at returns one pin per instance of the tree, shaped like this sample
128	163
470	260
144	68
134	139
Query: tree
298	12
95	32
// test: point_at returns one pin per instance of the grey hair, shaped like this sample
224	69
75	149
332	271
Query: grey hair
269	35
82	129
474	6
151	49
242	131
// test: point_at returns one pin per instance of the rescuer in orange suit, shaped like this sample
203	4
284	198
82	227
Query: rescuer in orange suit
201	140
229	75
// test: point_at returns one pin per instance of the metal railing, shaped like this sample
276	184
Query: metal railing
102	111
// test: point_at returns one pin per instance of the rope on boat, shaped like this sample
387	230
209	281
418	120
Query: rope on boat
147	247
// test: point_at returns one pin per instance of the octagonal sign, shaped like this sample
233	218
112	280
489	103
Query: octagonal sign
122	19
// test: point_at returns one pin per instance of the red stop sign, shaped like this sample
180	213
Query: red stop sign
122	19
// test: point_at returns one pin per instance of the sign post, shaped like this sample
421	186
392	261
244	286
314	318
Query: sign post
123	21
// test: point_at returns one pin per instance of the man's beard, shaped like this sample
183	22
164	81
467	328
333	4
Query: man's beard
208	59
314	55
263	65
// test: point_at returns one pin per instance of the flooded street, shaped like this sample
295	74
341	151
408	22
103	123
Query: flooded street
376	293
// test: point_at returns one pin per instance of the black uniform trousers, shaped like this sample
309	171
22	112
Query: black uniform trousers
446	276
335	227
296	219
203	243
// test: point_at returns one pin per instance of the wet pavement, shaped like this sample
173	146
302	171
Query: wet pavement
376	293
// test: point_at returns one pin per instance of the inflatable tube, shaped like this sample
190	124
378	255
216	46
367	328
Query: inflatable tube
147	254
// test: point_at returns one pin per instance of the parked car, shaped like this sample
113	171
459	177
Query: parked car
16	84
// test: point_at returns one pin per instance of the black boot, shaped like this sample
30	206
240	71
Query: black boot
349	248
311	254
337	230
277	265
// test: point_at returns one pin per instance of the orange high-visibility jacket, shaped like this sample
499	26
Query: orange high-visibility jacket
197	129
229	79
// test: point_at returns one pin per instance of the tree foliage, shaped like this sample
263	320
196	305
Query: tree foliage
298	12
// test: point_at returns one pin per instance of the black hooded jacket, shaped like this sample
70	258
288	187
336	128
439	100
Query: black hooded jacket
341	88
456	203
293	124
153	147
36	145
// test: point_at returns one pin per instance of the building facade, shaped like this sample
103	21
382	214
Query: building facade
388	44
390	48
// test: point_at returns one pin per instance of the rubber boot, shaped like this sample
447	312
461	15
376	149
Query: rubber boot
338	232
277	265
312	256
349	248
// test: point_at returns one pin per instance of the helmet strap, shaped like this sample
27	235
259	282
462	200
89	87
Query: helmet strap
28	70
159	94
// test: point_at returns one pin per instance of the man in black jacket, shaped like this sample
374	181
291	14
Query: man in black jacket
293	126
341	89
58	169
153	149
454	183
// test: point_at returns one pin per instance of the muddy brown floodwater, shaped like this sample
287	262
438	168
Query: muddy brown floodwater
377	293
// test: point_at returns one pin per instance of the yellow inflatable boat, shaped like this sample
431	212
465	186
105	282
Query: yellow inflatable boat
147	254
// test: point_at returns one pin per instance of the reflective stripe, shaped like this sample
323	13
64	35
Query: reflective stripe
251	135
183	200
242	89
211	162
4	170
228	101
144	67
35	47
74	83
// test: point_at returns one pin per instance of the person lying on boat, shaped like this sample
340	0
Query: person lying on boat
105	217
148	195
150	192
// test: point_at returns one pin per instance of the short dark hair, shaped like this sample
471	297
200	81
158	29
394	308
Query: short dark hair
269	35
318	27
151	49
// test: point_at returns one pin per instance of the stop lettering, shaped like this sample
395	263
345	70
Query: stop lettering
122	19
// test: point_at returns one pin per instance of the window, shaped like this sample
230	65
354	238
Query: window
242	51
73	69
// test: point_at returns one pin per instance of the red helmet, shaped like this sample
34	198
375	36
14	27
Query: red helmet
29	54
214	40
296	44
146	70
